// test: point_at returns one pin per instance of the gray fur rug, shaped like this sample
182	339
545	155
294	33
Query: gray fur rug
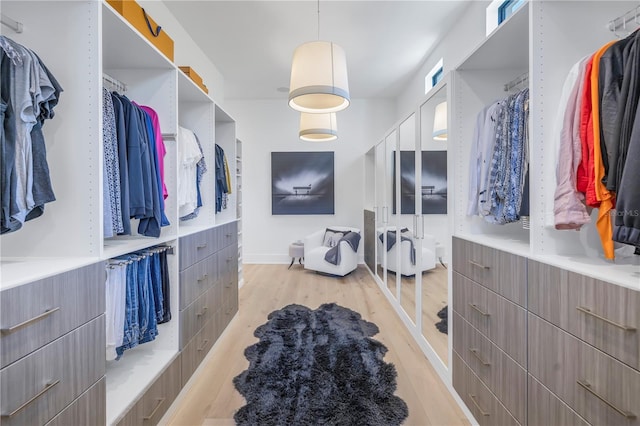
318	367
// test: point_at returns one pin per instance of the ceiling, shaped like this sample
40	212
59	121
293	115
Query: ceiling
252	42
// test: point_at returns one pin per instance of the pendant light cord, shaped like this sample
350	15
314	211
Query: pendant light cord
318	20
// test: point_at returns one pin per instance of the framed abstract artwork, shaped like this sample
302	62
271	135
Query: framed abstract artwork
433	191
302	183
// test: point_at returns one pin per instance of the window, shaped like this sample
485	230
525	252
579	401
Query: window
434	76
507	8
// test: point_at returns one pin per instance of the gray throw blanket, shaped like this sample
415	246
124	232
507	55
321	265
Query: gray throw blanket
333	255
391	241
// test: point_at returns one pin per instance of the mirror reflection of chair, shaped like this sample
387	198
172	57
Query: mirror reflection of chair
316	247
408	264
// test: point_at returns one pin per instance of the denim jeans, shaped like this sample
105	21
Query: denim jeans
131	321
156	284
146	308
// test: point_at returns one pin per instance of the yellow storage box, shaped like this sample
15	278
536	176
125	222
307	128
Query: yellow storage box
146	26
195	78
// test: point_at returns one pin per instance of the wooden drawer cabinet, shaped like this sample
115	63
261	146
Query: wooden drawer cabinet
601	389
501	321
484	406
228	234
90	409
502	272
545	409
197	247
228	262
502	375
194	318
602	314
40	385
35	314
197	279
150	408
195	351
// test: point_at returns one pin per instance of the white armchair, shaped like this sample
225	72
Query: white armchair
406	267
314	252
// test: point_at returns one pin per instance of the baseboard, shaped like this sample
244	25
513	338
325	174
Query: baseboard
274	259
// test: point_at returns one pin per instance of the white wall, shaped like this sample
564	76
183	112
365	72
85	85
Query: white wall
186	51
265	126
462	38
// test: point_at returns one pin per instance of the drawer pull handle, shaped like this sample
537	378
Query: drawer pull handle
204	310
483	313
32	320
204	343
153	413
33	398
201	246
203	278
477	355
229	259
608	321
479	265
587	387
473	399
228	235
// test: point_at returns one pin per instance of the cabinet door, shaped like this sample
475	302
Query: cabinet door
502	272
503	322
602	314
546	409
601	389
484	406
499	372
37	387
88	410
35	314
156	400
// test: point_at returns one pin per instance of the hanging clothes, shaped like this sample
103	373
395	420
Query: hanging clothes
189	154
201	169
29	93
137	299
137	166
499	160
607	120
112	203
222	186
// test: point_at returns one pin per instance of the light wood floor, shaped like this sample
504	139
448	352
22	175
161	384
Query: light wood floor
212	400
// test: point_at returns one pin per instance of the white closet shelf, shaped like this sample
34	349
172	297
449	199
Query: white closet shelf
188	91
16	271
508	243
624	273
188	229
129	377
139	52
123	245
502	49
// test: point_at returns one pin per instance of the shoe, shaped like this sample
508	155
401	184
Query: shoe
443	313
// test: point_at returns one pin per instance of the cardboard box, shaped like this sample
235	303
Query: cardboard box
133	13
194	77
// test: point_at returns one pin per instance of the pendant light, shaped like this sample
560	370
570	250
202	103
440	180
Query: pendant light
318	127
319	81
440	122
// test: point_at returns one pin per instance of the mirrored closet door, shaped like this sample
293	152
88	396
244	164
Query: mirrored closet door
433	230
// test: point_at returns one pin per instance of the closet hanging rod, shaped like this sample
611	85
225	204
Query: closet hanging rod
516	82
114	82
620	23
11	23
173	136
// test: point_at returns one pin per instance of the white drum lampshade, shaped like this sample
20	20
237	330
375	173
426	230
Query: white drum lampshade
319	81
318	127
440	122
